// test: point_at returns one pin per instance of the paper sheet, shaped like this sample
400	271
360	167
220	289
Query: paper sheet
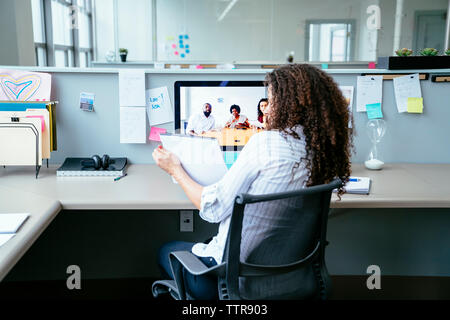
17	85
347	92
131	88
19	141
11	222
5	237
132	125
201	157
45	125
406	87
159	108
369	90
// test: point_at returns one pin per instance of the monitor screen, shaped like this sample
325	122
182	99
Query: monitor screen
191	97
222	99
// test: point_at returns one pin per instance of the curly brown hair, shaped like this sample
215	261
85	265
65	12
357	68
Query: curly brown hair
301	94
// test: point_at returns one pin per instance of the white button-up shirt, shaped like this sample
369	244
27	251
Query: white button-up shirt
199	123
269	163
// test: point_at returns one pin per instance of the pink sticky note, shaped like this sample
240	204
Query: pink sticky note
154	133
42	121
199	67
176	53
174	46
372	65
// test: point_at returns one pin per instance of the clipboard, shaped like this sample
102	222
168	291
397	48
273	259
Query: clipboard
21	142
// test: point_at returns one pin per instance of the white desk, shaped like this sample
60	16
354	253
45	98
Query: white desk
42	210
148	187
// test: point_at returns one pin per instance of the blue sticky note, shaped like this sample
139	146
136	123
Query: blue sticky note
187	51
324	65
182	55
180	36
374	111
186	36
187	46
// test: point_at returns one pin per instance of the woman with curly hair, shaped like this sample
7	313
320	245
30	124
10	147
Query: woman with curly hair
306	143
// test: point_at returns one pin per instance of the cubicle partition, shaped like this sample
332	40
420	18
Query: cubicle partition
410	138
124	243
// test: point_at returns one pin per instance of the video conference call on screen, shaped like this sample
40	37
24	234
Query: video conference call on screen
211	106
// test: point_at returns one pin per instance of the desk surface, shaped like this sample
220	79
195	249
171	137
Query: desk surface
42	211
148	187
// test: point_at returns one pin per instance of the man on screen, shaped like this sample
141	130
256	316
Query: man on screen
201	122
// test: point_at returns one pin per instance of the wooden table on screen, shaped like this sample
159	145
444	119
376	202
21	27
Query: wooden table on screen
232	137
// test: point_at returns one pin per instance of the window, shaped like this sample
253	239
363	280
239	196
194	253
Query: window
63	32
329	41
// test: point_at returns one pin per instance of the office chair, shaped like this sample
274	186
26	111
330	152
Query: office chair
283	258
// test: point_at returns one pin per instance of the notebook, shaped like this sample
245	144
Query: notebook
358	185
72	168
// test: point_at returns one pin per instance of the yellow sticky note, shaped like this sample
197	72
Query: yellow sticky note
415	105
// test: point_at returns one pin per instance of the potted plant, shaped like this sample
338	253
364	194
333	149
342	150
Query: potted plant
403	52
429	52
123	54
427	58
447	52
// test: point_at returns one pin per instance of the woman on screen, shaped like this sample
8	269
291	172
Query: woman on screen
237	120
306	143
263	110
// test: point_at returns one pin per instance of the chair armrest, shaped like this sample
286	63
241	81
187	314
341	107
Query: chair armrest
194	265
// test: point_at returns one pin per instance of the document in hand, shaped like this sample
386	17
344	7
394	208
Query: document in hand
358	185
201	157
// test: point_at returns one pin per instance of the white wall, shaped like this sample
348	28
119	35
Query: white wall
260	30
16	33
253	30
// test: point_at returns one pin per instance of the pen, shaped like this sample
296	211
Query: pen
118	178
353	180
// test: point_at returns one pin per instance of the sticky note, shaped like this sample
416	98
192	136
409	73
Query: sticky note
154	133
372	65
374	111
415	105
324	65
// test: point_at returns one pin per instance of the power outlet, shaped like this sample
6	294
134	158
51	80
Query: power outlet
187	221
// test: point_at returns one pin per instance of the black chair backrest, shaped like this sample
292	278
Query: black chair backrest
280	242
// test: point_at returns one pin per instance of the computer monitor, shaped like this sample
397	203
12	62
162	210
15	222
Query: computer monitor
190	96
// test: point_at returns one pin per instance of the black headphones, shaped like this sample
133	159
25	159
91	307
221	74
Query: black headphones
96	162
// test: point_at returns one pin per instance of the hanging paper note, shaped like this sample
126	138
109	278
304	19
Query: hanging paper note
406	87
16	85
415	105
374	111
154	133
132	125
369	90
347	92
159	108
131	88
